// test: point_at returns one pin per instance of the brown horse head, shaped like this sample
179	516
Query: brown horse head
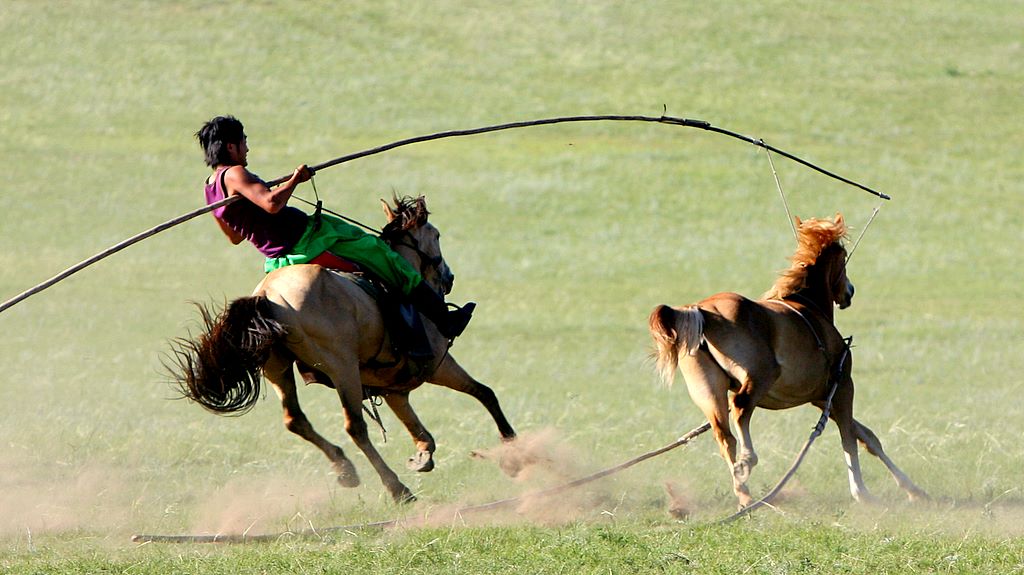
818	265
409	233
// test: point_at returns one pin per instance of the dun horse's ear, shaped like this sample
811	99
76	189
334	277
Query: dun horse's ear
421	210
388	213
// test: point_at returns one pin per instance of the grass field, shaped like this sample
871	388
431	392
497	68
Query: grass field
566	236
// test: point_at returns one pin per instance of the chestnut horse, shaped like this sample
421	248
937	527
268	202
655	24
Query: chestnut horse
778	352
332	330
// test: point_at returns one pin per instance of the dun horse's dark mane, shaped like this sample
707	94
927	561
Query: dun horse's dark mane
814	236
409	213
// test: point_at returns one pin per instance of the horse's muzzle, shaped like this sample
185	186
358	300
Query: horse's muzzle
447	282
847	296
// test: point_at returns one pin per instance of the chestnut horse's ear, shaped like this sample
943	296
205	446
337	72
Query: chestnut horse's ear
798	222
388	213
839	219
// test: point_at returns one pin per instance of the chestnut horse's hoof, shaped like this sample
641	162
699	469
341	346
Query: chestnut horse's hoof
422	462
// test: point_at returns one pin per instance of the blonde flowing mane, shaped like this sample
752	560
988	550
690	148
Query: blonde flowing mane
813	236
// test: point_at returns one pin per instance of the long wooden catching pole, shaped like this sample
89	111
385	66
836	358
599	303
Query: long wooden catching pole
669	120
114	249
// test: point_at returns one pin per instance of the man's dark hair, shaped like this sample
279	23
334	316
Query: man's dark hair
215	136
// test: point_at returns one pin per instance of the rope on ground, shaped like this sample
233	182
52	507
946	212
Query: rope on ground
319	533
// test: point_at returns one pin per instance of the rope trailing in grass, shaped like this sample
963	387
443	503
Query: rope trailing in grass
668	120
818	429
245	538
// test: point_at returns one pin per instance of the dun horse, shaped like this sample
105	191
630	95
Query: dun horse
779	352
332	330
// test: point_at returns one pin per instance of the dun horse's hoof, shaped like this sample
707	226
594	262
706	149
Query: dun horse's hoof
403	495
348	480
422	462
347	475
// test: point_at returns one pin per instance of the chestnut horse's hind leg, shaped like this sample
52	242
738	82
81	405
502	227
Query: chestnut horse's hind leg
746	457
874	447
423	461
279	372
708	386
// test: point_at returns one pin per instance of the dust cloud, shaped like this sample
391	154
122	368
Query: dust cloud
64	497
256	505
56	497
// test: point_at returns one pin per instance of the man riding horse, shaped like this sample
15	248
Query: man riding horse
287	235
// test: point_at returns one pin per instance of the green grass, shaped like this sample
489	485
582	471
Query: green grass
566	235
609	547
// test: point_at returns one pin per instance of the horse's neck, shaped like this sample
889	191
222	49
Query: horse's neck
816	298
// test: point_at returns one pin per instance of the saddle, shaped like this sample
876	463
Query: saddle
404	331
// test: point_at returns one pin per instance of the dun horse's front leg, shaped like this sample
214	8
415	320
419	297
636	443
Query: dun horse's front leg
451	375
279	373
423	460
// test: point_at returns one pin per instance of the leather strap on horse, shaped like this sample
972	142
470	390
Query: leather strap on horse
375	401
319	205
814	332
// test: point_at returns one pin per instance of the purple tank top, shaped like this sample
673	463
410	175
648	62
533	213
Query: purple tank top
273	235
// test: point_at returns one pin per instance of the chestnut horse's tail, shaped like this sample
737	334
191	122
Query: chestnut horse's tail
220	369
675	330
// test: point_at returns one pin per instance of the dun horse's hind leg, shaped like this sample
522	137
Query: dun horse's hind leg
280	374
874	447
345	375
423	461
708	386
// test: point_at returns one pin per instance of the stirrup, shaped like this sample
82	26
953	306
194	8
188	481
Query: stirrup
458	319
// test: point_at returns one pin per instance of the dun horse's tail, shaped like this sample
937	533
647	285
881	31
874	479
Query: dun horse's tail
220	369
674	331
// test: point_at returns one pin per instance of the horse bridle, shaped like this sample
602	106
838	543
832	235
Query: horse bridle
426	261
